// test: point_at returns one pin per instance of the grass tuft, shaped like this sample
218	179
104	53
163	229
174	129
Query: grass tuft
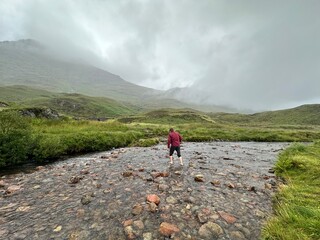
297	206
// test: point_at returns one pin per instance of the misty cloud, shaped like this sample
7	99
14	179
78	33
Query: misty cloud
247	54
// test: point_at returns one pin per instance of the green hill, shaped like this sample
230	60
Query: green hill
76	105
302	115
169	116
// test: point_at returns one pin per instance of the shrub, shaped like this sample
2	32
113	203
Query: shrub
146	142
48	147
15	138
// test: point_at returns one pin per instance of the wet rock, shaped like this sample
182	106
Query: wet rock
215	182
163	187
138	224
23	209
80	213
2	221
127	222
2	183
106	191
189	199
210	230
57	229
203	215
3	232
13	188
236	235
86	199
244	230
84	171
129	232
252	189
152	207
153	198
164	174
198	178
127	174
147	236
272	182
155	174
167	229
271	170
74	179
40	168
137	209
259	213
231	185
227	217
268	186
177	188
171	200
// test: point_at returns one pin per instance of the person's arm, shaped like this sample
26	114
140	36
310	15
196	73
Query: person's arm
169	140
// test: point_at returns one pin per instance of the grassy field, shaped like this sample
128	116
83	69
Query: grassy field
297	204
51	139
297	213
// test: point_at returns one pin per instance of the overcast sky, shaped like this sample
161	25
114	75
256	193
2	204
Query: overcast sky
249	54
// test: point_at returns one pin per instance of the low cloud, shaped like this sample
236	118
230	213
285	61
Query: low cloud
247	54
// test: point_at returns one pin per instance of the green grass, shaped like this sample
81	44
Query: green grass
297	204
73	105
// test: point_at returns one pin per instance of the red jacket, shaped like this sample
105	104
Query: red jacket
174	139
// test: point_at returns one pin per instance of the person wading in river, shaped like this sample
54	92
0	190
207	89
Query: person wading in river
174	141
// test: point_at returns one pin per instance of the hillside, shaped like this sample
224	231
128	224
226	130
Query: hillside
77	105
169	116
26	62
302	115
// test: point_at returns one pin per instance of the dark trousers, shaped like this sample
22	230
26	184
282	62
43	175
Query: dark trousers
177	149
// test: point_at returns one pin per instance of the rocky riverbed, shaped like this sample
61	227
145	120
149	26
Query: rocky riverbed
223	191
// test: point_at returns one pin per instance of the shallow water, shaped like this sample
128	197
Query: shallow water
235	194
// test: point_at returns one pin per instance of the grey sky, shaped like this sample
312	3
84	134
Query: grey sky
247	54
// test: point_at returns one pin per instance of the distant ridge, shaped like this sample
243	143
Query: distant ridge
308	114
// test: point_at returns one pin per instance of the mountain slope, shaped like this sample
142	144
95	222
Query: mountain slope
25	62
302	115
76	105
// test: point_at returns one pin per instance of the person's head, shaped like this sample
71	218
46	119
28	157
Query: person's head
171	130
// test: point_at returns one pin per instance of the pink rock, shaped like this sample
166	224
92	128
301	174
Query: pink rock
84	171
227	217
127	222
39	168
164	174
167	229
2	183
153	198
12	189
155	174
